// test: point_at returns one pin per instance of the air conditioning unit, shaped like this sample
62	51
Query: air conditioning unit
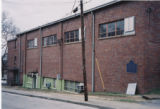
80	88
48	85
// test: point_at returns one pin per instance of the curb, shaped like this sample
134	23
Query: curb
55	99
150	97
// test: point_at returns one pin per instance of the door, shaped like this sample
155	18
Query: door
34	81
15	77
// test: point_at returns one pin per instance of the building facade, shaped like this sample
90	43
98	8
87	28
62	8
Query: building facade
122	46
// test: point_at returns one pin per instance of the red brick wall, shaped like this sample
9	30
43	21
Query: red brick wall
113	54
12	52
33	54
152	48
51	54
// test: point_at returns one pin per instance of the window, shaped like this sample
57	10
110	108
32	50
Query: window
71	36
117	28
103	30
51	81
32	43
129	25
120	27
15	44
71	85
111	29
49	40
15	58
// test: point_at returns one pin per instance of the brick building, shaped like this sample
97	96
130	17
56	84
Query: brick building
122	40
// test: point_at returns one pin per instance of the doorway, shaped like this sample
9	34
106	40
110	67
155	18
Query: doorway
15	77
34	81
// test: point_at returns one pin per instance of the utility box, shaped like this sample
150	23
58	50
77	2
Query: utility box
48	85
80	88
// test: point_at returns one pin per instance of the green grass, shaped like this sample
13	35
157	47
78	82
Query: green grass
107	94
128	100
155	91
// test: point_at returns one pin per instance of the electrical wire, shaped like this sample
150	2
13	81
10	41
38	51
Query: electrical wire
87	2
73	5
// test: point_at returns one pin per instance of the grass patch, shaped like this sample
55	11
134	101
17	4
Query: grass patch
128	100
107	94
154	91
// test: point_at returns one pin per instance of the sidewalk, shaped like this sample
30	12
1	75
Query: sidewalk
94	101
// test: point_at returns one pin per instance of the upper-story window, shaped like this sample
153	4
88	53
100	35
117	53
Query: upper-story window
32	43
102	30
15	44
117	28
15	58
49	40
71	36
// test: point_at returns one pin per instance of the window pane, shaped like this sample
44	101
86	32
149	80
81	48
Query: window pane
76	35
55	39
103	30
67	37
45	41
120	27
72	36
31	44
111	29
50	40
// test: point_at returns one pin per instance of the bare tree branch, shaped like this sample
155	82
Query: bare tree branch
9	30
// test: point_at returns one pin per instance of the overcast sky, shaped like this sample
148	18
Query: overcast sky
27	14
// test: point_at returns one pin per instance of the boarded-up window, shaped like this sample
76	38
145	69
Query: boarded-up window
129	24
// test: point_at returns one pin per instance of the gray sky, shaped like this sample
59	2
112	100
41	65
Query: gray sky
27	14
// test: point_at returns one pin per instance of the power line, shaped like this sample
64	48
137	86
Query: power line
73	5
87	2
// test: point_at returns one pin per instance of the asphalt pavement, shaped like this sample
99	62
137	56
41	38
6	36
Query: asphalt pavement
29	99
13	101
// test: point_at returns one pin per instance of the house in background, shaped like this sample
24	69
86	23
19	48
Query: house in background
122	40
13	76
4	66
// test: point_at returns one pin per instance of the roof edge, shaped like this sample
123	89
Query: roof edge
12	39
70	17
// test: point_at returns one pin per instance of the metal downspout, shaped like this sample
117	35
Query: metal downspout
93	51
19	59
40	57
61	51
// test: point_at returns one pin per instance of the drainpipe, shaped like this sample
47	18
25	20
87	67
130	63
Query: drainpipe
19	59
25	56
25	52
93	51
61	51
40	56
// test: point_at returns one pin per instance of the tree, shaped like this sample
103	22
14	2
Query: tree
9	30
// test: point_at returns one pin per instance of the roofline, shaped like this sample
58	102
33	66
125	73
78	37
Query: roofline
70	17
12	39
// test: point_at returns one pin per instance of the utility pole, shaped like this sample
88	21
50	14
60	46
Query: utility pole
83	53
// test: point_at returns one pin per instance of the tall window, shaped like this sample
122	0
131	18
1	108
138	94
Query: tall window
71	36
120	27
15	58
15	44
49	40
111	29
103	30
